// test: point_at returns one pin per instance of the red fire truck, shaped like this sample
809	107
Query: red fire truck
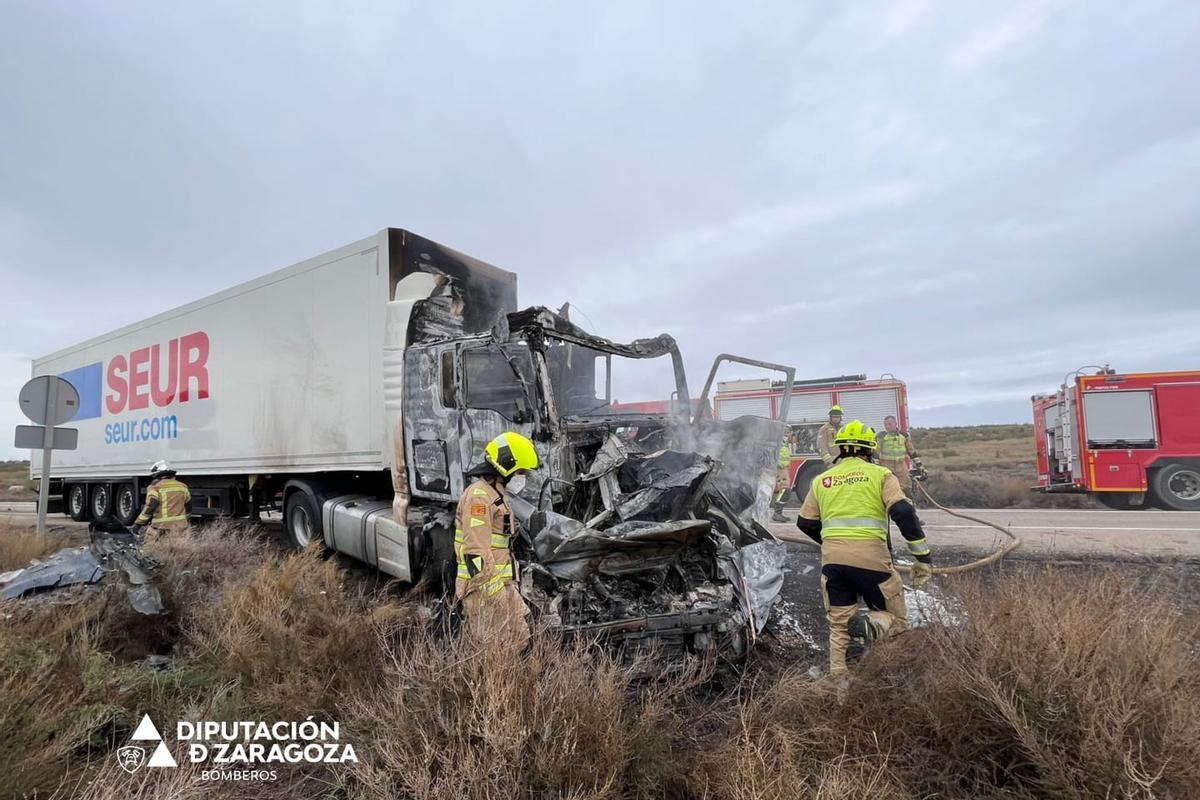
1131	440
868	400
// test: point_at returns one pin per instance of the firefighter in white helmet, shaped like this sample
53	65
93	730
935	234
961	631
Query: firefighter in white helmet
487	572
846	511
168	502
826	449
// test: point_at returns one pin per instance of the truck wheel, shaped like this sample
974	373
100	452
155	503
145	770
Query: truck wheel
1177	487
1122	501
302	519
101	506
77	502
125	504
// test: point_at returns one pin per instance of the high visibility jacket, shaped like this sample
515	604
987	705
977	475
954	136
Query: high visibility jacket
785	456
166	504
893	446
850	498
482	534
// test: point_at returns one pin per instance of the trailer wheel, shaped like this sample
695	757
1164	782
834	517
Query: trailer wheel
302	519
1177	487
77	502
125	504
102	505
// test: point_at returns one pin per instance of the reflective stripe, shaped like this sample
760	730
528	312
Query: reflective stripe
854	522
918	547
499	541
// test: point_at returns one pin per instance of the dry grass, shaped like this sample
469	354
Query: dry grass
1057	685
987	466
14	481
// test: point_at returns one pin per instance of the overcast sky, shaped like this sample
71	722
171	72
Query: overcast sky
977	197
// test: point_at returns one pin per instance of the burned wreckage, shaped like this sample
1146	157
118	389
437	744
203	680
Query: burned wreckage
643	525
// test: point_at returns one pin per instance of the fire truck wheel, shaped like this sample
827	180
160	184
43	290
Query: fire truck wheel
1177	487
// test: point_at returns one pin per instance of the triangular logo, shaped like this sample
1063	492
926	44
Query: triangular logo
146	730
162	757
475	523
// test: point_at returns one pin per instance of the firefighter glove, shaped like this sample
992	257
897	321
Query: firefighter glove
922	573
918	470
138	529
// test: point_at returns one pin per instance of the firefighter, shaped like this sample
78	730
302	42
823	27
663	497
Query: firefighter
783	480
168	502
826	449
487	574
895	451
846	511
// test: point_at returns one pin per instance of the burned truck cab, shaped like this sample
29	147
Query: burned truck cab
643	525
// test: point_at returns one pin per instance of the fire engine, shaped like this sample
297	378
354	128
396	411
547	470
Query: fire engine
1131	440
867	400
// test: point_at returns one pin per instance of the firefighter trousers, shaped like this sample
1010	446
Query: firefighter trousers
842	587
498	620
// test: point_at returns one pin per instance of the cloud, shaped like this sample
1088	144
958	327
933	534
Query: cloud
991	39
974	198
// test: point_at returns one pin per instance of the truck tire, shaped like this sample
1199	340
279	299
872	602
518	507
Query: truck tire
125	504
76	501
1123	501
302	519
1177	487
102	502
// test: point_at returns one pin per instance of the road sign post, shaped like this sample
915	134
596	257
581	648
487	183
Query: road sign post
47	400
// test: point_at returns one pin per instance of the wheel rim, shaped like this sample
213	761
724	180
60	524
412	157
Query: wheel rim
99	500
1185	485
125	503
77	495
302	526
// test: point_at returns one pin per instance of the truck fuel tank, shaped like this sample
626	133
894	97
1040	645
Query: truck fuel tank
363	527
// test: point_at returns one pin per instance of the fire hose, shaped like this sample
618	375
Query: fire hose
1013	543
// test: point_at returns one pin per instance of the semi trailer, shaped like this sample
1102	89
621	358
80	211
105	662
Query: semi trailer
353	391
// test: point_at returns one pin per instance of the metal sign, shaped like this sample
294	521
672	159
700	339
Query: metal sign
49	400
32	437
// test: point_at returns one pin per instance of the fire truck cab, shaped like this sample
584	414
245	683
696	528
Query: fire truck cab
867	400
1132	440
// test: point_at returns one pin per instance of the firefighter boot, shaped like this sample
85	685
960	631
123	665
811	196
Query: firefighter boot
863	634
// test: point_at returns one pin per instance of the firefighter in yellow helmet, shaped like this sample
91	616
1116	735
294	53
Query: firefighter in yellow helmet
846	511
487	573
783	481
826	448
168	502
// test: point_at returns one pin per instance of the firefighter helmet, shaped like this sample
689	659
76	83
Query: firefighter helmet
161	467
836	411
510	452
855	434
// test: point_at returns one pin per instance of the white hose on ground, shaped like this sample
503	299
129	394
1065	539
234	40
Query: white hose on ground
1013	543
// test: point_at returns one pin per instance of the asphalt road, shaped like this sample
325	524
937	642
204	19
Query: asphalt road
1067	532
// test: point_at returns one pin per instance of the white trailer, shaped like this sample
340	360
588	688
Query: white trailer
295	374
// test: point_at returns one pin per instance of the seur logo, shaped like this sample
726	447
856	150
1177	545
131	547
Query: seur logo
158	375
131	757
